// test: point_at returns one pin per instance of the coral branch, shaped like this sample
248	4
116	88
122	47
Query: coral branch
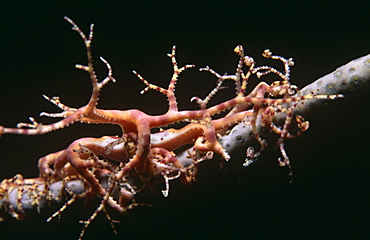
352	78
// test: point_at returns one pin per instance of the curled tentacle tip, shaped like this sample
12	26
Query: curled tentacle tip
248	60
165	193
206	68
267	53
238	49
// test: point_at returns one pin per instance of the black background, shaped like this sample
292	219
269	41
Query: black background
328	198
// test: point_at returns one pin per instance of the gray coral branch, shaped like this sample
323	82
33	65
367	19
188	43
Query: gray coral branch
351	79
